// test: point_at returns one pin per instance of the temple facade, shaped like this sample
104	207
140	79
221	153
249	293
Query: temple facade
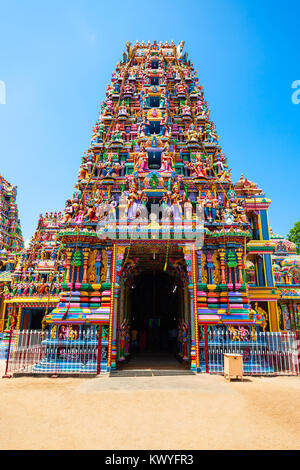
156	237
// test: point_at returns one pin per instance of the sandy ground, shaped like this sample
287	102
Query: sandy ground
187	412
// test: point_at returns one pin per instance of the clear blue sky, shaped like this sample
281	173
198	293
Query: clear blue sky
56	59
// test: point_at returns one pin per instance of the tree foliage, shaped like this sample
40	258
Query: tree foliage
294	235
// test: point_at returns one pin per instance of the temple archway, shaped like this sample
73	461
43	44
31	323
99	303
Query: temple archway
153	328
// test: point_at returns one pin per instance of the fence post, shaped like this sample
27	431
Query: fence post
206	348
99	350
7	376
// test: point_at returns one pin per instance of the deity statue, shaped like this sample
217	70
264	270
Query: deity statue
228	217
141	161
167	161
164	128
177	199
198	168
132	202
68	212
192	134
210	204
109	167
186	110
240	214
117	134
143	129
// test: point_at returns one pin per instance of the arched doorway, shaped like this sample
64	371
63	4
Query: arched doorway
153	316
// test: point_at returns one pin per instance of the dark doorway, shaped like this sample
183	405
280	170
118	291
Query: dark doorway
155	310
36	319
154	80
154	160
154	127
154	101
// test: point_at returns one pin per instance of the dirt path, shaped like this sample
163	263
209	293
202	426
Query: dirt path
188	412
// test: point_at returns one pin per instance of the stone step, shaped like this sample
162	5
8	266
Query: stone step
149	373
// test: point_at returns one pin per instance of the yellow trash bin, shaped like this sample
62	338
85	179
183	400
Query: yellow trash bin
233	366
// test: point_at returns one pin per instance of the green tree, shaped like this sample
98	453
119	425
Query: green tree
294	235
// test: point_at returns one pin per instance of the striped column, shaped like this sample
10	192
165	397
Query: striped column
112	270
196	327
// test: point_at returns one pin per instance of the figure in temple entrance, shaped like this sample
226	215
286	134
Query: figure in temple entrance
164	129
144	127
132	202
177	201
141	162
163	98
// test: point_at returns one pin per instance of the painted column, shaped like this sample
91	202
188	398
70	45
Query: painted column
239	254
291	312
18	324
85	263
199	263
109	264
68	266
111	276
116	264
273	318
222	262
2	321
191	264
195	310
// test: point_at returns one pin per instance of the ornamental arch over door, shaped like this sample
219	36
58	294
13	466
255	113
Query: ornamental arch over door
153	327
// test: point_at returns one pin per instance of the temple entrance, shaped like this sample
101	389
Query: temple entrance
154	328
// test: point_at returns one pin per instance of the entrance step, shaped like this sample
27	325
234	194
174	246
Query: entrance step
149	373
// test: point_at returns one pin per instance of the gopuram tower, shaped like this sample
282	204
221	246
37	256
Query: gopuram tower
156	238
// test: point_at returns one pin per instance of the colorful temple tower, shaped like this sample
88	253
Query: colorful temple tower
11	244
156	235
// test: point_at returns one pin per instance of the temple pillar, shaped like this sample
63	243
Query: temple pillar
199	265
68	266
192	269
2	315
239	254
222	254
114	267
86	252
273	317
109	264
18	324
291	312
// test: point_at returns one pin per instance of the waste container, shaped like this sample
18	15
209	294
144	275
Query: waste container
233	366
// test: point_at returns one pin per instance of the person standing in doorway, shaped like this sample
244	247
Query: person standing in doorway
134	339
142	341
173	339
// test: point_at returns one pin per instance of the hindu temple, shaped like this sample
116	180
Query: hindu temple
156	238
